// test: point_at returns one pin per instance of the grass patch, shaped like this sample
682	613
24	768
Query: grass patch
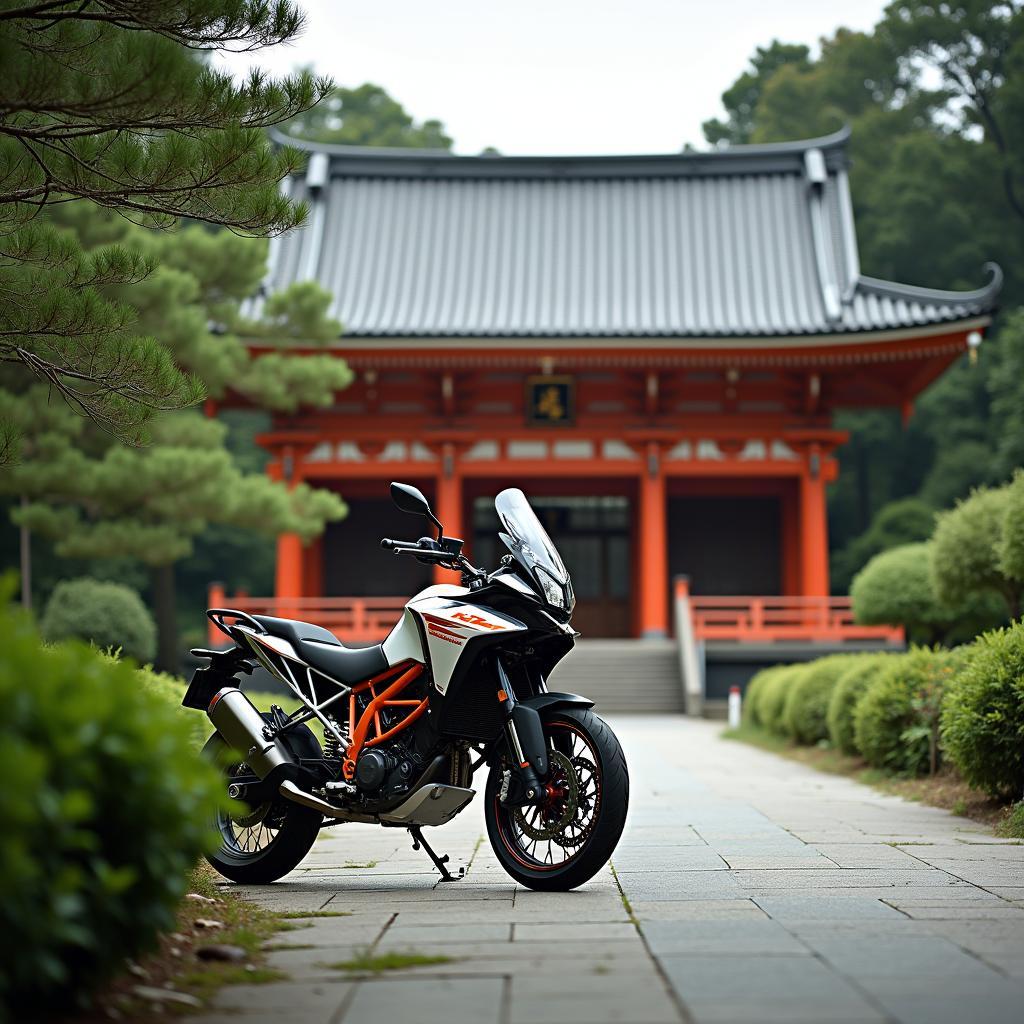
354	865
370	963
622	896
1012	824
944	790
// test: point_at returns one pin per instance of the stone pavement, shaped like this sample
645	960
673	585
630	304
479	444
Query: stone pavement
746	888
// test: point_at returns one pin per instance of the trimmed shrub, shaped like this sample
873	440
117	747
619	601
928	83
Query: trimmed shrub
1010	548
105	809
900	522
849	689
806	707
967	546
755	690
106	614
895	588
983	715
772	701
896	721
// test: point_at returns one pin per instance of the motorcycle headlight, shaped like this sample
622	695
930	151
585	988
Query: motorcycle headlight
554	592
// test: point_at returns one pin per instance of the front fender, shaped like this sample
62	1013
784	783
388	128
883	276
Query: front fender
528	715
549	701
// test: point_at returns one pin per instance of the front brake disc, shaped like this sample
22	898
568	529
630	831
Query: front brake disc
552	829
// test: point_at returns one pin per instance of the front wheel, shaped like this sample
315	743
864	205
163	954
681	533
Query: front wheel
565	841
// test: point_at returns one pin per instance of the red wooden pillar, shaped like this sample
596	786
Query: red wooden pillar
813	525
288	578
653	548
449	505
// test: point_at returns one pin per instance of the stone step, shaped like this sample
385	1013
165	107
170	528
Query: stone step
640	676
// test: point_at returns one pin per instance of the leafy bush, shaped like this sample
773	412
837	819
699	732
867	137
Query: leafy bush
107	614
1010	548
105	808
849	688
755	689
806	707
896	721
967	547
896	588
983	715
899	522
772	700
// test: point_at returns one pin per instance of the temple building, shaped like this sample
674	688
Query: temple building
651	347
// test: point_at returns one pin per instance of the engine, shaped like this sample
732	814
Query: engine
387	771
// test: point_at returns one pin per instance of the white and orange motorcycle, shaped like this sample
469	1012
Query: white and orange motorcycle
458	684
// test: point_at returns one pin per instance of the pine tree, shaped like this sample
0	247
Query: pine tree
108	101
94	498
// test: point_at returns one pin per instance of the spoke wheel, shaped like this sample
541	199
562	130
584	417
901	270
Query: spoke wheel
563	841
261	843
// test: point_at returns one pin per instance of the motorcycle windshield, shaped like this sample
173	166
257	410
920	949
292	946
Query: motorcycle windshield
526	538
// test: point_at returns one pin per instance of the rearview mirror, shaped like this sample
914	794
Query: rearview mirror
410	499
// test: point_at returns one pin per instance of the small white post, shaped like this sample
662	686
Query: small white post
735	707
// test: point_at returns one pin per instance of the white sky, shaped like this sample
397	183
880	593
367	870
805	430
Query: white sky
554	76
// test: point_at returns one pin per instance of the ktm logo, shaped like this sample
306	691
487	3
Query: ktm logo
476	620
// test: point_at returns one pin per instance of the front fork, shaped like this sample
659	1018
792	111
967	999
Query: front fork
522	784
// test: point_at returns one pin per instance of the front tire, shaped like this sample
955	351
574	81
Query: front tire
266	843
565	843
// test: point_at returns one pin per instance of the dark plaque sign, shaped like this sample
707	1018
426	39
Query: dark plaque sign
550	400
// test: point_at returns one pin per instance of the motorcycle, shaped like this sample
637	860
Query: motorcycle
459	684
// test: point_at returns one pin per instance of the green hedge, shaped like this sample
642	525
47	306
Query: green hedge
983	715
104	809
849	689
772	703
807	698
107	614
896	720
755	692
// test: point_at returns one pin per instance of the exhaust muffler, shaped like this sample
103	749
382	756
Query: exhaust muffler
235	717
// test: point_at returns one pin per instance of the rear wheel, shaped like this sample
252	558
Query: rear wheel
566	840
260	843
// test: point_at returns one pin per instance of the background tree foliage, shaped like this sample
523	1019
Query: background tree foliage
934	96
108	102
365	116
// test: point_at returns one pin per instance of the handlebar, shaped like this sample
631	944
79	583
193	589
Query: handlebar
401	545
457	562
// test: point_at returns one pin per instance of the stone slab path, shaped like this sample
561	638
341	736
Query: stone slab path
747	888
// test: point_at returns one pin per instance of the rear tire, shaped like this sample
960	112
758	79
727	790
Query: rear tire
280	835
586	841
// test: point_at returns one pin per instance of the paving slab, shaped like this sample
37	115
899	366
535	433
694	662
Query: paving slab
746	888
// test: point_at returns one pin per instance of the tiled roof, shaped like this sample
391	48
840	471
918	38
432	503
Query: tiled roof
753	241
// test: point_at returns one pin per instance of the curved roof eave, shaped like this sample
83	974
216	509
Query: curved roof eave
983	298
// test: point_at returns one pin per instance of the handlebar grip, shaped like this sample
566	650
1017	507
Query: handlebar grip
388	543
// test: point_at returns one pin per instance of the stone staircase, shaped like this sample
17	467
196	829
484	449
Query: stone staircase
640	676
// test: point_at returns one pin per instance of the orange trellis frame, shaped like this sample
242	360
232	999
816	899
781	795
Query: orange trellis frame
359	729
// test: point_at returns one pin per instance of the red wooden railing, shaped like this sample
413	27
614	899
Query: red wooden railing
767	619
354	619
739	619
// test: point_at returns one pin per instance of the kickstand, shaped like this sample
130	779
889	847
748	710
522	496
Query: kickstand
439	862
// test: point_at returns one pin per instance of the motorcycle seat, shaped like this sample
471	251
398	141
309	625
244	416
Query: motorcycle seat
321	649
348	665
